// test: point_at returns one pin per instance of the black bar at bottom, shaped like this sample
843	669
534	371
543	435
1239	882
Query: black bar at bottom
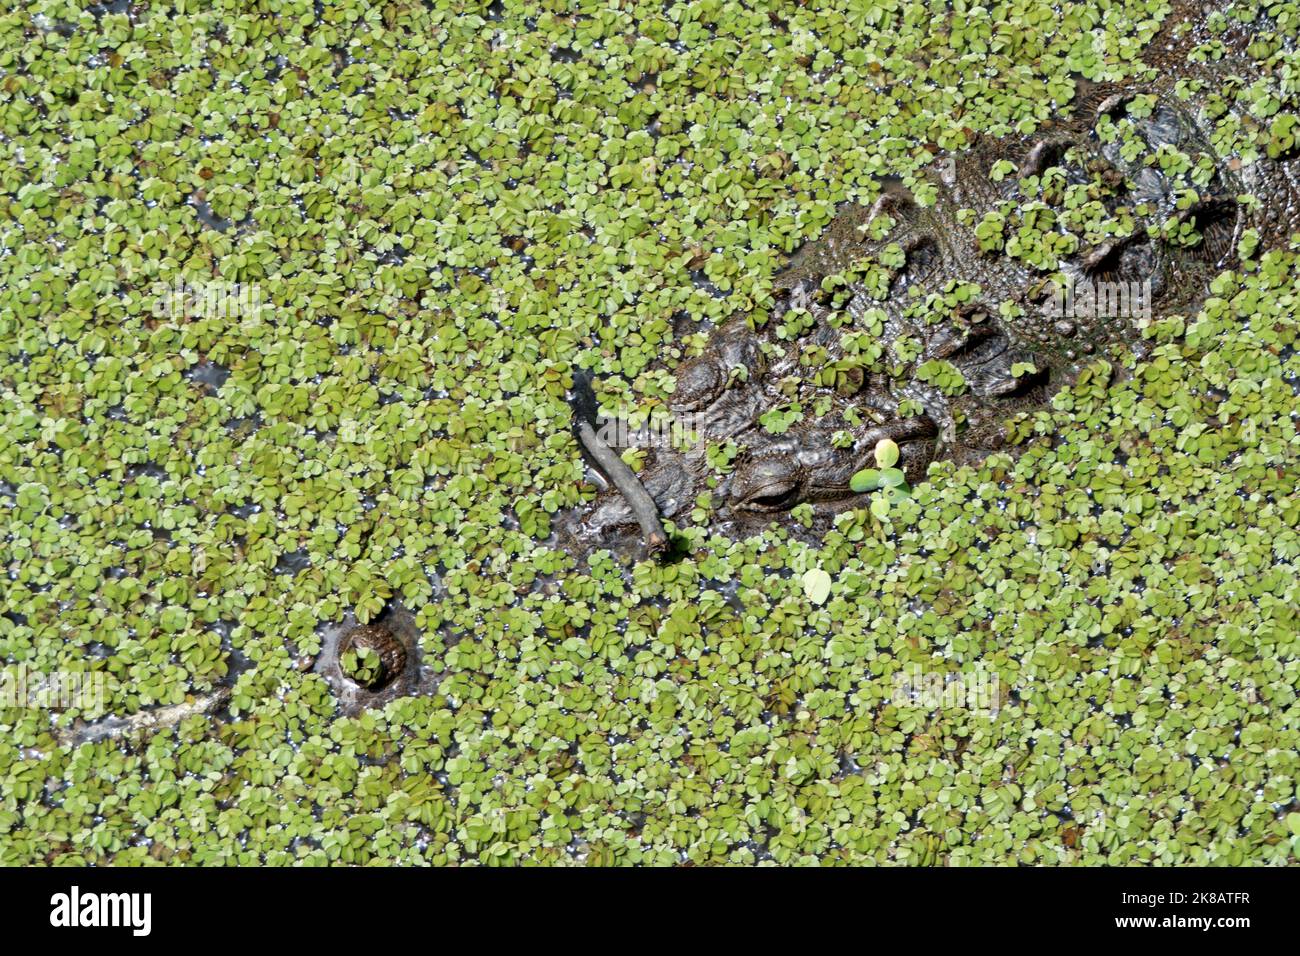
231	907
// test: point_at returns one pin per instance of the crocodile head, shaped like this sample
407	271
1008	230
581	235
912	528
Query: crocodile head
934	315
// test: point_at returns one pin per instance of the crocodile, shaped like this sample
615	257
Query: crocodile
931	317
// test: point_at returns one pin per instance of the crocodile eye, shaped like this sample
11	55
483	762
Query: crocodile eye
899	205
699	383
1164	127
1216	221
743	353
1133	261
923	259
769	484
735	356
1042	155
771	498
1114	105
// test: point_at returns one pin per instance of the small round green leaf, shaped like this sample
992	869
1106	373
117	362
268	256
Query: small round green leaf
868	479
892	478
816	585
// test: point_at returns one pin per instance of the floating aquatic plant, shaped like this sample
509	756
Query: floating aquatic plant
447	210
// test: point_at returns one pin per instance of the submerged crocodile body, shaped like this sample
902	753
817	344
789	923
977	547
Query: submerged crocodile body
932	319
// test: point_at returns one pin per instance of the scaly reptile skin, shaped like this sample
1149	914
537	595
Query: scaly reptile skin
860	325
